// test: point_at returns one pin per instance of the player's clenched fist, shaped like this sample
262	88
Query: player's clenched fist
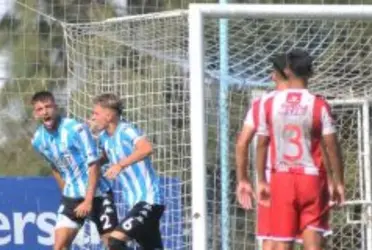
263	193
113	171
245	194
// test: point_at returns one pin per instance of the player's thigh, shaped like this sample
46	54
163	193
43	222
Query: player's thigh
312	240
263	217
151	239
66	213
282	245
283	213
267	244
104	214
263	222
65	231
313	203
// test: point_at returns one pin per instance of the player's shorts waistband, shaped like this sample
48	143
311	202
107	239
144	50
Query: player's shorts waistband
80	199
297	170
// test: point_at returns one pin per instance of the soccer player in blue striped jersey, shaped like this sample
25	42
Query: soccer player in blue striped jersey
129	151
68	146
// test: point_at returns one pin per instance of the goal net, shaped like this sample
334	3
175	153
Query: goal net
145	60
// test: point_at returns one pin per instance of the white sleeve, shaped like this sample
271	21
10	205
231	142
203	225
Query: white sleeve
328	123
249	118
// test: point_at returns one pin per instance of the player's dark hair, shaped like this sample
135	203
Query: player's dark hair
110	101
42	96
300	63
279	62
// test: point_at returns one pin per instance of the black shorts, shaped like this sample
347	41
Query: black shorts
142	223
103	212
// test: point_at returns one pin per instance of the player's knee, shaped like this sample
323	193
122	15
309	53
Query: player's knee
313	240
116	244
60	246
267	245
282	245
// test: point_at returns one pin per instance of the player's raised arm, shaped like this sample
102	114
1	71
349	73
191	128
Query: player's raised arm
87	144
333	149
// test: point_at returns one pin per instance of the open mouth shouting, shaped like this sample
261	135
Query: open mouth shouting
48	122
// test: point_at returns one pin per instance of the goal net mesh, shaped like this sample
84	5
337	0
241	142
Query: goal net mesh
144	59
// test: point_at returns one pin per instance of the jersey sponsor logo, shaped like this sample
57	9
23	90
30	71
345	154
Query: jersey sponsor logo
294	98
64	161
292	106
290	109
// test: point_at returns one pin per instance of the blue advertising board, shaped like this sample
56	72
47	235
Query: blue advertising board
28	214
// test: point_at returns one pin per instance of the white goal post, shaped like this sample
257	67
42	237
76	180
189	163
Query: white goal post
198	13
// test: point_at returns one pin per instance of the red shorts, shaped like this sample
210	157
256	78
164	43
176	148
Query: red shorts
298	202
263	223
263	216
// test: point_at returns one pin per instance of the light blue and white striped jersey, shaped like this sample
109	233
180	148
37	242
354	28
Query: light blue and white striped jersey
70	150
139	181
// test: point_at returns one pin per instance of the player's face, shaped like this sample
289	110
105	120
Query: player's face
101	117
46	111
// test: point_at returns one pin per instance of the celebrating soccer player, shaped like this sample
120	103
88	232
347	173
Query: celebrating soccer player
128	152
244	191
293	125
72	153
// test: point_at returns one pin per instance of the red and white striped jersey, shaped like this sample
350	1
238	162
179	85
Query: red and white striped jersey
252	119
295	121
253	115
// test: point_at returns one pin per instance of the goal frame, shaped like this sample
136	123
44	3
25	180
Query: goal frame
196	15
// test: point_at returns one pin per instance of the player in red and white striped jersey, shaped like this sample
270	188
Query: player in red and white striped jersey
244	190
293	124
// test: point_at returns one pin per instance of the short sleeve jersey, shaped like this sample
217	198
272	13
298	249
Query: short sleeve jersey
139	181
70	149
295	121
